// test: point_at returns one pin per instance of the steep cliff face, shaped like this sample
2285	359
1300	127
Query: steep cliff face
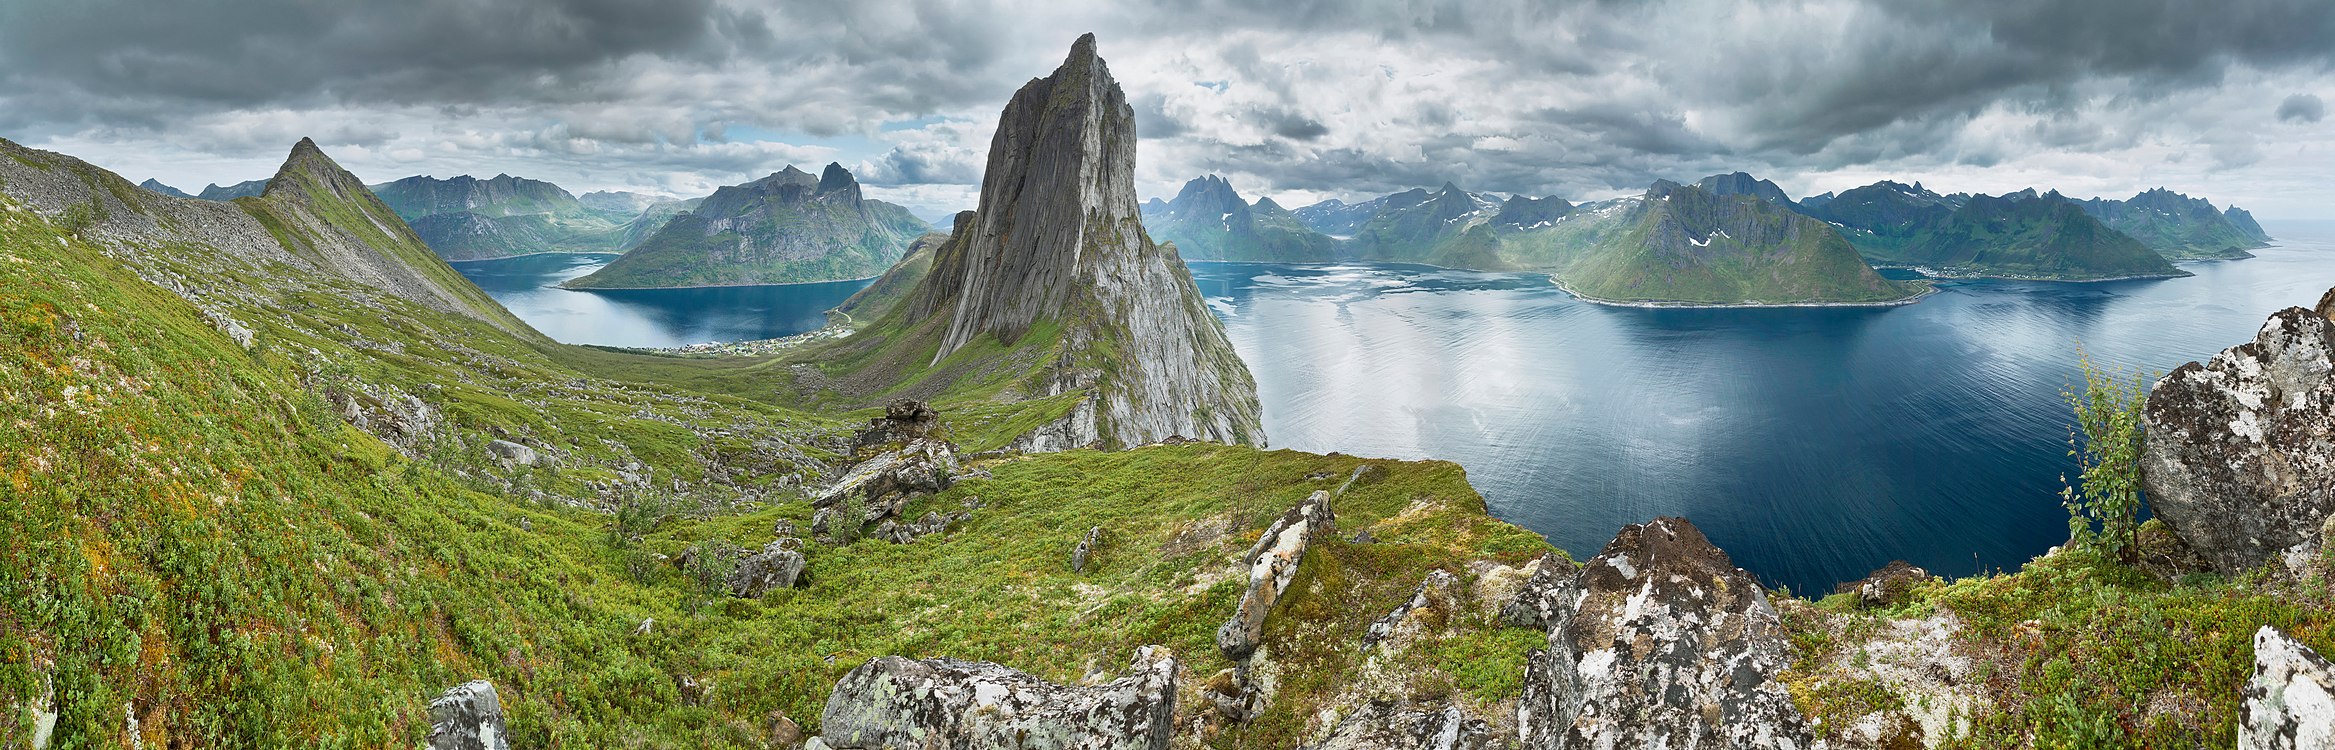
1058	240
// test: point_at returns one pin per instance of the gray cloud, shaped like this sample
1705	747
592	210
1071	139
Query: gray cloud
1310	97
2302	108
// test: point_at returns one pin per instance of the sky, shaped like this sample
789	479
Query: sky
1299	100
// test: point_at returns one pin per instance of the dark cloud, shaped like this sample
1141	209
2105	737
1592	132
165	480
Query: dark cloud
2302	108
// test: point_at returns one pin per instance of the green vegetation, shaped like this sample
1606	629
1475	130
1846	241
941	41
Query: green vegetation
1209	222
2178	226
2106	443
1682	244
2021	235
784	229
471	219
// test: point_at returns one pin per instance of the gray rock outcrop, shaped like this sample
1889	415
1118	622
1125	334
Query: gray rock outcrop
778	566
2290	703
1057	237
1436	597
1547	597
896	702
885	483
468	717
1387	725
904	421
511	453
2240	455
1669	645
1889	586
1272	562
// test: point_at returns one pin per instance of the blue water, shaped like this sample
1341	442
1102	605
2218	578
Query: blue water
529	286
1813	444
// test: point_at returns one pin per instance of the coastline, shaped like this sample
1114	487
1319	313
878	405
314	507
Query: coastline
1963	276
564	285
528	255
1928	289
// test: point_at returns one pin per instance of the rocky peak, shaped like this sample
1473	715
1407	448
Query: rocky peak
1527	213
1267	205
1741	183
157	186
836	179
311	174
1057	237
1206	197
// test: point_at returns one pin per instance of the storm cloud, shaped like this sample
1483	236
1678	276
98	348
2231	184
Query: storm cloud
1299	100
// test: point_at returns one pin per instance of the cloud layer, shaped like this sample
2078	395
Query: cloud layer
1298	99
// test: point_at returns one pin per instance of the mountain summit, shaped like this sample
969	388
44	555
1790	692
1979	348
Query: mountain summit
789	227
1058	250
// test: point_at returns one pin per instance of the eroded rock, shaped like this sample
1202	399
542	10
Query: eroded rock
468	717
884	484
778	566
896	702
1889	586
1547	597
1670	645
1388	725
511	453
1086	549
1272	562
2240	456
904	421
2290	703
1431	604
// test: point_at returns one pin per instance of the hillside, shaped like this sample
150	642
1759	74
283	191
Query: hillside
787	228
1409	231
2021	235
1208	221
1683	244
466	218
245	189
2180	227
157	186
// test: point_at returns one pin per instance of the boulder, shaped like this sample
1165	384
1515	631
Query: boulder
1086	549
1669	645
896	702
1272	562
468	717
1388	725
2290	703
2240	455
888	481
1547	597
778	566
511	453
904	421
1433	602
1887	587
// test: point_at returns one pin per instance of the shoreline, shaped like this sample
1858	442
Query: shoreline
528	255
1949	276
1929	289
563	285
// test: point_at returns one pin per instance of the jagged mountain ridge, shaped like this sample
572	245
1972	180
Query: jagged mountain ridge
2180	227
157	186
789	227
245	189
466	218
1209	221
2021	235
1686	244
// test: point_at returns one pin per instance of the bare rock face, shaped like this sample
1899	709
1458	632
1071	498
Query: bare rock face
468	717
1547	597
778	566
947	704
888	481
1058	238
2290	703
1669	645
905	420
2240	457
1273	561
1386	725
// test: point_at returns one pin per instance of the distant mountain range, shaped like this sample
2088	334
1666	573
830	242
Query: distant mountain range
1694	249
466	218
787	228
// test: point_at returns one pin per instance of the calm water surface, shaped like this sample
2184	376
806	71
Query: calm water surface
529	286
1813	444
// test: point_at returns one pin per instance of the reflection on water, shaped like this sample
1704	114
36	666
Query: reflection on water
1814	444
528	285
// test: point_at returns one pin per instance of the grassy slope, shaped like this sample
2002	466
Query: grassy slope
2036	238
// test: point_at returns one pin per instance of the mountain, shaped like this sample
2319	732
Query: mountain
1340	219
1739	183
157	186
2017	235
1531	213
1052	293
215	192
1209	221
787	228
1685	244
466	218
2178	226
2244	221
1411	227
619	202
